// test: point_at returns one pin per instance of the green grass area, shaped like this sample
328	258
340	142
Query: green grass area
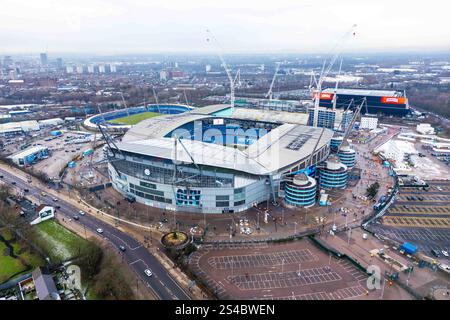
62	243
135	118
14	267
8	265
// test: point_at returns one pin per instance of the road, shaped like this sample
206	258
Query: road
136	255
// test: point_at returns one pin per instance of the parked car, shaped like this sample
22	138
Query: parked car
148	272
435	253
26	190
76	218
445	253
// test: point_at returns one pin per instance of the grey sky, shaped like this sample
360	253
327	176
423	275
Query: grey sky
141	26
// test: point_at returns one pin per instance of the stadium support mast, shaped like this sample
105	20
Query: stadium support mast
352	122
125	104
269	94
225	66
326	71
156	99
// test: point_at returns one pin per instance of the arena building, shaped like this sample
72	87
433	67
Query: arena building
206	160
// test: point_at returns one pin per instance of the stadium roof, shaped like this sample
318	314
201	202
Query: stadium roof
203	153
158	127
281	148
365	92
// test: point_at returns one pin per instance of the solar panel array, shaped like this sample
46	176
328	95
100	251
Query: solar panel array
300	139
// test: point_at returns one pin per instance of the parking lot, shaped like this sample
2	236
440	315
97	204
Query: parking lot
296	270
420	216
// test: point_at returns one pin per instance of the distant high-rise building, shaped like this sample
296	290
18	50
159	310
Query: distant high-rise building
59	63
79	69
101	68
208	68
7	62
69	69
113	67
90	68
12	75
44	59
176	64
163	75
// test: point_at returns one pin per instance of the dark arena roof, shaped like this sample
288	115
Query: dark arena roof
388	102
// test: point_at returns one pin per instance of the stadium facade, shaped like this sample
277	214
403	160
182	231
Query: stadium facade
206	161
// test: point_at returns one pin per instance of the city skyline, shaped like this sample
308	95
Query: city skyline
134	26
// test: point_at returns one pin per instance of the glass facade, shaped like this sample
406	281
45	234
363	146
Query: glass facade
302	196
335	143
347	157
333	179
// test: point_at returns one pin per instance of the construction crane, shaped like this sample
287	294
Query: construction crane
270	93
237	79
336	87
326	70
225	66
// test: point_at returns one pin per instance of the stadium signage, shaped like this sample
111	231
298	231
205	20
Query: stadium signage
394	100
326	96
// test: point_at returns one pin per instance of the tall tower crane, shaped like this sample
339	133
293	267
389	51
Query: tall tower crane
336	87
225	66
270	93
326	70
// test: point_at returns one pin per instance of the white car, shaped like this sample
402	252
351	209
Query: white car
100	230
445	253
148	272
82	213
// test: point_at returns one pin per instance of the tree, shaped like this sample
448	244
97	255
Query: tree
372	190
90	258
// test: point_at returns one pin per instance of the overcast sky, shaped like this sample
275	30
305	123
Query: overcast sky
147	26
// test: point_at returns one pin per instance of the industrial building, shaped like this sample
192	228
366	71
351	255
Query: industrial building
201	161
30	155
13	128
388	102
51	122
368	122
